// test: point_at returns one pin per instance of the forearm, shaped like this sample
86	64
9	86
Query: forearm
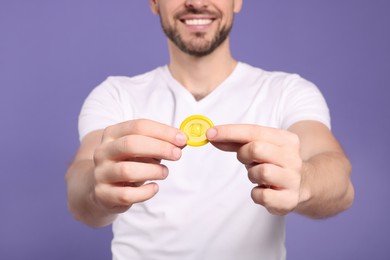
326	188
81	203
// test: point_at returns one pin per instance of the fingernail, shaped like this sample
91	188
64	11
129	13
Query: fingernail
155	188
181	138
176	152
165	172
211	133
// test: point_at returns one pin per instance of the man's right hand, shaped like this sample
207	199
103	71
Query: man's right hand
123	160
129	157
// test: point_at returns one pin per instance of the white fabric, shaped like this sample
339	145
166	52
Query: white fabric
203	209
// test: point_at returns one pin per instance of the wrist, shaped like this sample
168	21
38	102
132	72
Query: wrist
305	192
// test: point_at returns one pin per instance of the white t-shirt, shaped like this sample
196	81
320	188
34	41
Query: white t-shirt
203	210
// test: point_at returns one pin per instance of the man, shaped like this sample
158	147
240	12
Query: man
271	150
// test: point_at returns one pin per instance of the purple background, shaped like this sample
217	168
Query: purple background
52	53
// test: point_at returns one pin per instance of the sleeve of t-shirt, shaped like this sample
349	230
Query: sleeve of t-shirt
100	109
302	100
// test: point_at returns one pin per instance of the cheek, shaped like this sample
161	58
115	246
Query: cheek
227	15
165	21
167	16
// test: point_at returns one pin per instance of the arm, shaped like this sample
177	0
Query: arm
302	169
111	167
326	188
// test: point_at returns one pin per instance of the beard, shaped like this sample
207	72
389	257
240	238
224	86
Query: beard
198	47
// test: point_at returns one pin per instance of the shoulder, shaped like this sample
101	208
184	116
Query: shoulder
137	80
281	76
115	87
277	82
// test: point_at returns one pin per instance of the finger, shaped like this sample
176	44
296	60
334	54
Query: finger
275	201
227	147
265	174
121	197
147	128
261	152
245	133
138	146
136	172
131	195
273	176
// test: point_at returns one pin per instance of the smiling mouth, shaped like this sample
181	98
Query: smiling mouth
197	21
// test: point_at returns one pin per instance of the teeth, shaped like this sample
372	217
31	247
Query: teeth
198	21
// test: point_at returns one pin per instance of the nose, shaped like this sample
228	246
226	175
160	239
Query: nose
197	4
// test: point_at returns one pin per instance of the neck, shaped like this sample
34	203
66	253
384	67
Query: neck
201	75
